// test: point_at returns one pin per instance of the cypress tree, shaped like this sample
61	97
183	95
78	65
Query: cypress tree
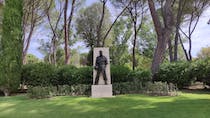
11	46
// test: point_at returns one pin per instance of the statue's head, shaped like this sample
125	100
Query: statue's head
100	53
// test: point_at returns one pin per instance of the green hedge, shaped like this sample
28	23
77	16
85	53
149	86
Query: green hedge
66	75
201	70
184	73
85	75
42	74
178	73
40	92
120	74
149	88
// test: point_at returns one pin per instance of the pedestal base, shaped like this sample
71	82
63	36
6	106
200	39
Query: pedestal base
100	91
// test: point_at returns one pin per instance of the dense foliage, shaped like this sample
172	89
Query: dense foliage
184	73
70	80
42	74
178	73
11	46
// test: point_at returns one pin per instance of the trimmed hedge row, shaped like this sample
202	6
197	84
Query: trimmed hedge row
43	74
184	73
39	74
180	73
40	92
135	87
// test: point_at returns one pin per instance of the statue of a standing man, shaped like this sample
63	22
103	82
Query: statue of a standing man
100	67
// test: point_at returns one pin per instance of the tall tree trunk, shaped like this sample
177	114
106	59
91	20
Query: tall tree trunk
178	22
176	46
190	49
54	49
185	51
170	50
55	36
163	32
27	41
66	36
159	54
134	46
134	17
69	25
98	42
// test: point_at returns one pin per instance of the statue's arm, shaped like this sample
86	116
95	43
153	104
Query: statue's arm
96	64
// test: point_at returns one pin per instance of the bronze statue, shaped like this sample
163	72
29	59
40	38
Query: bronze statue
100	66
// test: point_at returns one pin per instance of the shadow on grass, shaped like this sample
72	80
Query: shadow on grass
125	106
197	91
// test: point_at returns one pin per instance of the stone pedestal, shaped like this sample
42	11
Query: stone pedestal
99	91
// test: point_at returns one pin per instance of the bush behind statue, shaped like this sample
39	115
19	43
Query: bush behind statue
42	74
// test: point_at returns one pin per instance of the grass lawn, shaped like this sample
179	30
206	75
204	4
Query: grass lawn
186	105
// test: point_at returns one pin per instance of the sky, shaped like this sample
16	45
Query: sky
200	38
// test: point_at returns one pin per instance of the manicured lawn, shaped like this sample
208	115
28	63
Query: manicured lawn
125	106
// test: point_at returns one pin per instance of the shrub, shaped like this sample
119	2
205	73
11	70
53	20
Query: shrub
119	74
66	75
156	88
80	89
40	74
184	73
177	73
85	75
160	89
142	75
128	87
201	70
39	92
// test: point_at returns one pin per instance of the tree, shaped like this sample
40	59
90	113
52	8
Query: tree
163	30
67	26
34	12
179	20
57	26
1	18
83	59
119	50
146	44
204	53
45	49
193	12
54	17
87	24
87	27
11	43
31	59
135	11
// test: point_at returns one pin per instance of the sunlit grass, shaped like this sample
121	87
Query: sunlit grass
186	105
